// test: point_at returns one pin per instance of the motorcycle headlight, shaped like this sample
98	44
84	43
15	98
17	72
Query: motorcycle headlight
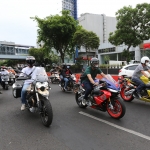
41	85
42	88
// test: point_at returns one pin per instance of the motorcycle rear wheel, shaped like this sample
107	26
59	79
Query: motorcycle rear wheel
47	113
118	110
124	97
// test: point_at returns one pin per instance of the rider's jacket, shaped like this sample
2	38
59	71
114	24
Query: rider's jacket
66	72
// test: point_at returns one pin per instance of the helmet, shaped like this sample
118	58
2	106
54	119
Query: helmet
143	59
30	60
68	67
95	62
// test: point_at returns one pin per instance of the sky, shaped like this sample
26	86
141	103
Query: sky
16	25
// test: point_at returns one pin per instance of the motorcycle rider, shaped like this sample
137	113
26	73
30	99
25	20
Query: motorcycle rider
3	71
138	72
29	70
89	76
66	73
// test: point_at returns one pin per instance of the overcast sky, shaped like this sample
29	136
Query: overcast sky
16	25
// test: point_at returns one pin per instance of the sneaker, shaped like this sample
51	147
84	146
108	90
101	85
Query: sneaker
84	102
65	89
139	95
23	107
89	103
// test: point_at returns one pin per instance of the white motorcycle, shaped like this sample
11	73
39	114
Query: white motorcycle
4	79
37	95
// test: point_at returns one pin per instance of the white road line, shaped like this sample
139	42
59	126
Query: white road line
116	126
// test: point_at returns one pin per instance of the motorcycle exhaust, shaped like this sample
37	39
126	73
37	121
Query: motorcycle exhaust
130	92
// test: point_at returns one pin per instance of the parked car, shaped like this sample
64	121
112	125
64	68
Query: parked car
128	70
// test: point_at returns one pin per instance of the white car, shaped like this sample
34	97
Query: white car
128	70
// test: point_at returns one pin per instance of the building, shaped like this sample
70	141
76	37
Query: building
102	25
10	50
70	5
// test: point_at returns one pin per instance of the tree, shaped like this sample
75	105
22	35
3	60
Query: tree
43	56
126	55
133	26
57	32
88	39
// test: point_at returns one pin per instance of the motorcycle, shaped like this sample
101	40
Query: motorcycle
104	97
37	95
72	84
54	78
11	78
128	89
4	79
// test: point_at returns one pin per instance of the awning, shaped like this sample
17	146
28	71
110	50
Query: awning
146	46
83	58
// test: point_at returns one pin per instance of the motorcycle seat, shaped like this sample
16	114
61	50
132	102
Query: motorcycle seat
22	78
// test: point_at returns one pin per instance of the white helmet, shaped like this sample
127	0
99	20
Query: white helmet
143	59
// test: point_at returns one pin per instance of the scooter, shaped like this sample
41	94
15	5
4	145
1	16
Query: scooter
4	79
54	78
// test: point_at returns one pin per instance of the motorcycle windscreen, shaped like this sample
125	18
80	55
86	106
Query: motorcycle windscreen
111	83
41	75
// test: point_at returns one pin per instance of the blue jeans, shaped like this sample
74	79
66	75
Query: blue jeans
140	84
66	82
88	88
24	93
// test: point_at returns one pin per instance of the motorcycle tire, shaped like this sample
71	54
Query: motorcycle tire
77	95
6	87
124	97
118	110
46	113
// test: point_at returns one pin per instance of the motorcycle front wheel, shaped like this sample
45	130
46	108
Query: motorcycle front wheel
117	110
128	98
77	95
46	112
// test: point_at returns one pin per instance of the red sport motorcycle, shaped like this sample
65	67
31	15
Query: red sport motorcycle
104	97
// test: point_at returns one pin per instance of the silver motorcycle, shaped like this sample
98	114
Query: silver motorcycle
37	95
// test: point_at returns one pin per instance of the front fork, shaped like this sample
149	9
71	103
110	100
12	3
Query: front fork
111	103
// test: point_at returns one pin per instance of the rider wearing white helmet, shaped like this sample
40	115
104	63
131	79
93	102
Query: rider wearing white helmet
29	70
138	72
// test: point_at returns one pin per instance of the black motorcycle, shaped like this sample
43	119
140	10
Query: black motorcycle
37	95
72	84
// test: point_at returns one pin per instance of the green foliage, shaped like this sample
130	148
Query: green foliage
133	26
57	32
106	58
11	63
43	55
88	39
126	55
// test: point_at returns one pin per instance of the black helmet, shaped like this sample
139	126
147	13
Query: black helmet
30	60
95	62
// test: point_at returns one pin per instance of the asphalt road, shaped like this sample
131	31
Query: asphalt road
72	128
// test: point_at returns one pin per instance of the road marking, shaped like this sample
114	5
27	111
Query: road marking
116	126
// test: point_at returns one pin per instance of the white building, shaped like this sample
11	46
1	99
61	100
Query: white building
102	25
